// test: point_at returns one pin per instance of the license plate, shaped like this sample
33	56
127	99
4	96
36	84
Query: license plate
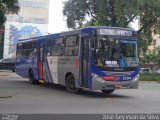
119	86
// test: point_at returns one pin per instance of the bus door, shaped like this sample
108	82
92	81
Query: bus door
85	63
41	60
43	67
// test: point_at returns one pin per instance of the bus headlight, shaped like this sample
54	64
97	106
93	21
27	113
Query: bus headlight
98	78
136	78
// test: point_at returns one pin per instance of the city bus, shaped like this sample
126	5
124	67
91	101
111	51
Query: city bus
92	58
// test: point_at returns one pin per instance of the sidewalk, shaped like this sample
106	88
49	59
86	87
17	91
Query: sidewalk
4	73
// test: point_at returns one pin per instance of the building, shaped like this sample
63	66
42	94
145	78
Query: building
1	42
156	41
31	21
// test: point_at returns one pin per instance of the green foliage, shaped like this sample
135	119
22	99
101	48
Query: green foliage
116	13
148	58
150	77
158	55
101	12
75	12
7	7
152	57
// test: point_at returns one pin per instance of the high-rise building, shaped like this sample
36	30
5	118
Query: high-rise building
31	21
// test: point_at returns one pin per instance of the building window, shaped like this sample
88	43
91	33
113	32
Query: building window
154	42
33	4
31	20
155	32
10	18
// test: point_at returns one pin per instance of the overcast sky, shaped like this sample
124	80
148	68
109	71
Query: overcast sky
56	18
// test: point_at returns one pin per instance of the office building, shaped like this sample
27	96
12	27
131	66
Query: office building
31	21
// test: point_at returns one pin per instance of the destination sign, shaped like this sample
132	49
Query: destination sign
115	32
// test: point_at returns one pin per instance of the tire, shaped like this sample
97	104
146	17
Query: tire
31	78
70	85
108	91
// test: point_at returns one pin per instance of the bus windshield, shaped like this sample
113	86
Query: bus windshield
114	52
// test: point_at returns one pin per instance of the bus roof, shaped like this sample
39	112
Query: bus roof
76	31
109	27
36	38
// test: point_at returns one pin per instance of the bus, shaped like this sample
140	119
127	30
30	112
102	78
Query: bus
92	58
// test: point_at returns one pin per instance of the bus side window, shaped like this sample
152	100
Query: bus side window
72	45
57	47
49	48
19	53
61	47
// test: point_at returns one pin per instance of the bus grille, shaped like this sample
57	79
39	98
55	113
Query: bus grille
118	73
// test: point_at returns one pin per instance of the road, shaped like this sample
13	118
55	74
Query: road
18	96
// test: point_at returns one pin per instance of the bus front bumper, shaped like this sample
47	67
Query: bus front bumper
99	84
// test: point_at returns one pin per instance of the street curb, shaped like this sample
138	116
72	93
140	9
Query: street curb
158	82
3	75
2	97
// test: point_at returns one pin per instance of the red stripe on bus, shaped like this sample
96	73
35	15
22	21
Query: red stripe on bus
40	70
75	63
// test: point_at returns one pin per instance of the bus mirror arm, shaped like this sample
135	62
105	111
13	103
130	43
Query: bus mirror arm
93	45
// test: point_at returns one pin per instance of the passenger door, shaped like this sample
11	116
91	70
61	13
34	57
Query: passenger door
85	81
41	60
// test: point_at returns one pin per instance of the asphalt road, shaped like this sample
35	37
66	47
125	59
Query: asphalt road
18	96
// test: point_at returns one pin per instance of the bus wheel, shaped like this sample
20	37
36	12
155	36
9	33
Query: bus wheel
31	78
108	91
70	85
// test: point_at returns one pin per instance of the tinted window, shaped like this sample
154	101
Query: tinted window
27	49
56	47
72	45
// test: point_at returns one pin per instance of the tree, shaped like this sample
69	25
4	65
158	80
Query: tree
117	13
152	57
149	58
7	7
158	55
101	12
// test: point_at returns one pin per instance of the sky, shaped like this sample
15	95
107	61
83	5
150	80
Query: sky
134	24
56	18
57	22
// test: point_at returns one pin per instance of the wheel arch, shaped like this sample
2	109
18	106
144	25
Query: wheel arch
31	75
67	74
69	83
29	71
34	73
